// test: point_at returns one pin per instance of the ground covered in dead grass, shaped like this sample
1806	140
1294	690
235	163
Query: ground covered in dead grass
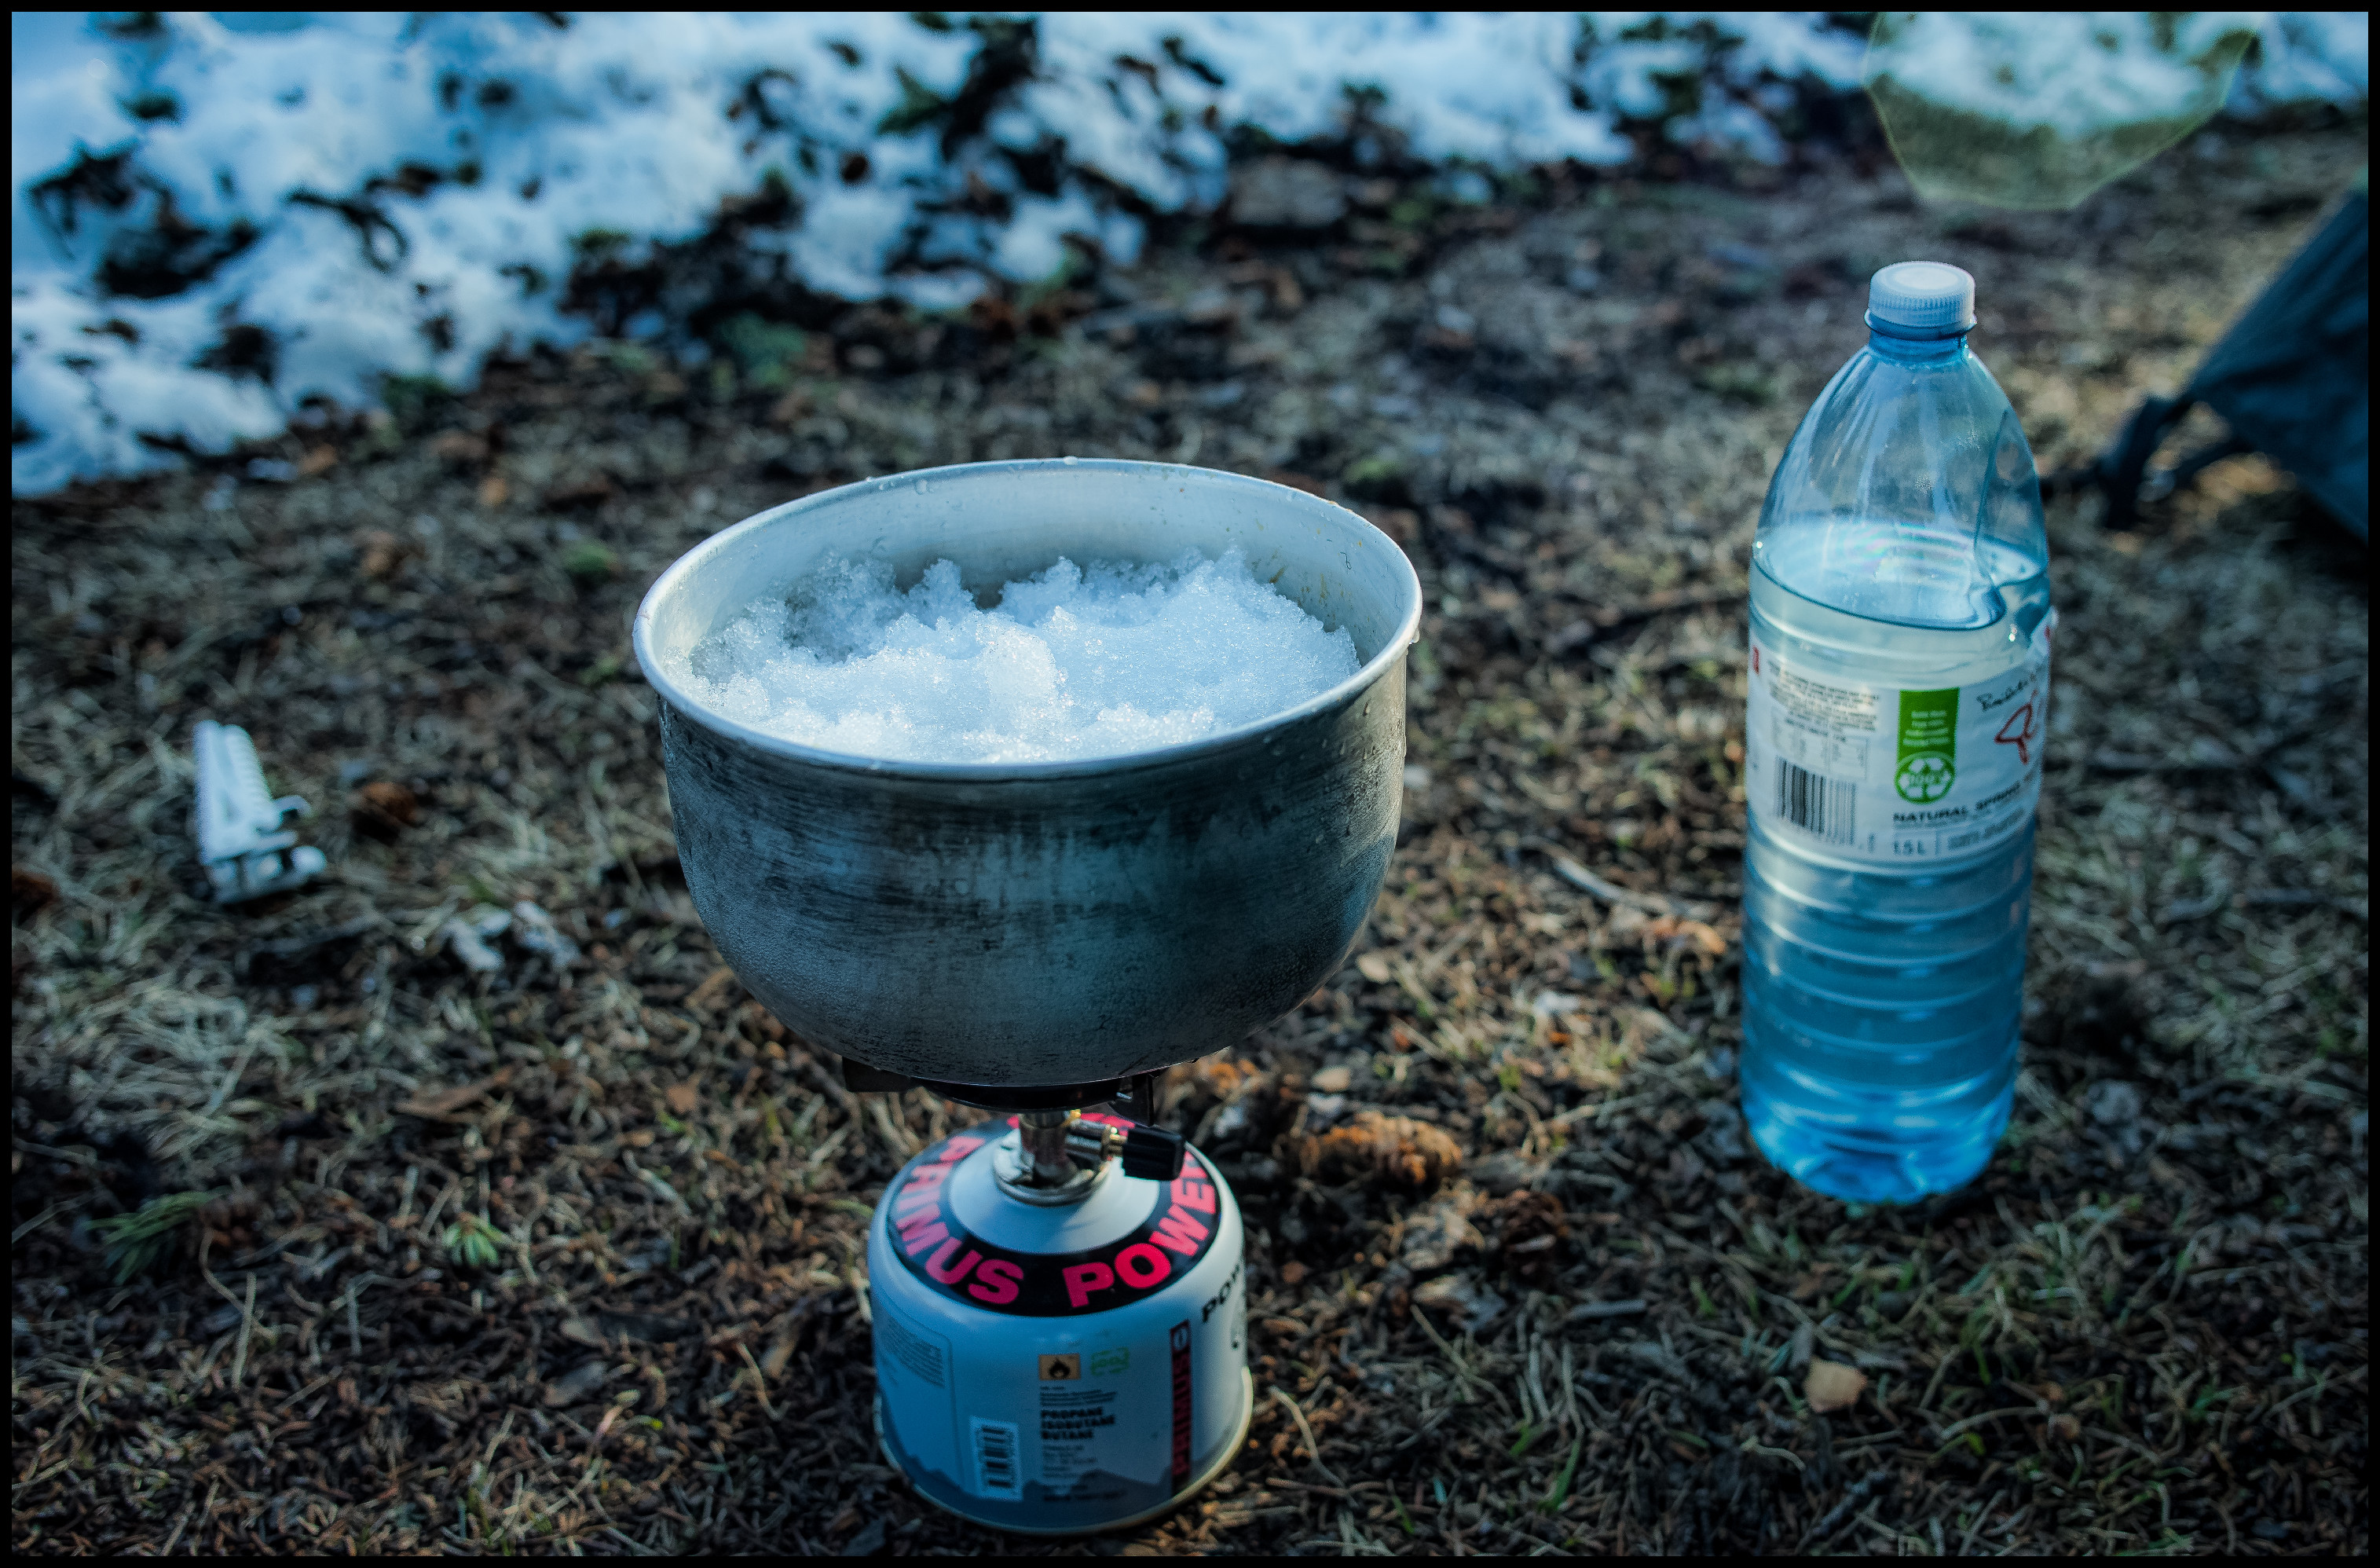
568	1256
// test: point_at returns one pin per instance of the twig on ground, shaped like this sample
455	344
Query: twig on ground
1585	881
1313	1448
1855	1495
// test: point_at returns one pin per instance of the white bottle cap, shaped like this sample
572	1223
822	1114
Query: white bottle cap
1922	300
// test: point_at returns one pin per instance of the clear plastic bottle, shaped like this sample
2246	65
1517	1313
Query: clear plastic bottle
1900	684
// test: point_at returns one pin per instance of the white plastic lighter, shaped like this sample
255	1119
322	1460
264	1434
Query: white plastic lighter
244	848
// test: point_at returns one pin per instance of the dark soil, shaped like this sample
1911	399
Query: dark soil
569	1256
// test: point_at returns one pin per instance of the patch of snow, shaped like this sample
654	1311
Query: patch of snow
372	195
2070	72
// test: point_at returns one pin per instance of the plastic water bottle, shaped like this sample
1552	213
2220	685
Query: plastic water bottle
1899	683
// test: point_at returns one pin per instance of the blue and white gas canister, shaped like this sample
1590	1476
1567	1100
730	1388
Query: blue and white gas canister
1060	1370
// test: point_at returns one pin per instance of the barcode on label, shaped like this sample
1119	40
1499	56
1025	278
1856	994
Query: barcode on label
995	1458
1814	803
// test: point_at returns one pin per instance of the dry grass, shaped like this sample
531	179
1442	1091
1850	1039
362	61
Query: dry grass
570	1258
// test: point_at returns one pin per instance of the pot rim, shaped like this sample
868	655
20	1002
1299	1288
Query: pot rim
1345	691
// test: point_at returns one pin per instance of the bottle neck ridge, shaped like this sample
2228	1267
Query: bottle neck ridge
1889	344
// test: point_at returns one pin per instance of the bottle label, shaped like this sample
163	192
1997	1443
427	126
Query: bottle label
1891	776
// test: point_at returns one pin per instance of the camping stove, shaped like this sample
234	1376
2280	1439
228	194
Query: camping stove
1058	1308
1061	1322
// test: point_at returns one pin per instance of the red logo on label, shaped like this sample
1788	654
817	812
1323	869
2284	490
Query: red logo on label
1179	1341
2018	732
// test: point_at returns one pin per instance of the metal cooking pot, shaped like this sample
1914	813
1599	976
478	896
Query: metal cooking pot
1011	928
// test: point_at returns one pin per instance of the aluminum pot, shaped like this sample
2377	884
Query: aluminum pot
1010	926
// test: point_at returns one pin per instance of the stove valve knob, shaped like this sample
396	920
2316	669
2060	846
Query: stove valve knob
1152	1153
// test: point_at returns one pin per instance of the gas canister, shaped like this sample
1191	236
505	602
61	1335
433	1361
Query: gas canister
1057	1368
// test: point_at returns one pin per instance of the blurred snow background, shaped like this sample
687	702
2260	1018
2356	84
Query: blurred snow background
220	218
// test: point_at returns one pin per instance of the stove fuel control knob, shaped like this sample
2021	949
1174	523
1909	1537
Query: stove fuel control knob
1152	1153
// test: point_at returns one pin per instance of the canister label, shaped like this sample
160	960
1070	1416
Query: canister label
1181	1225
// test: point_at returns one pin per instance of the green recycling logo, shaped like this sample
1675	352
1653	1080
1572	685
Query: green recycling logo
1929	742
1926	776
